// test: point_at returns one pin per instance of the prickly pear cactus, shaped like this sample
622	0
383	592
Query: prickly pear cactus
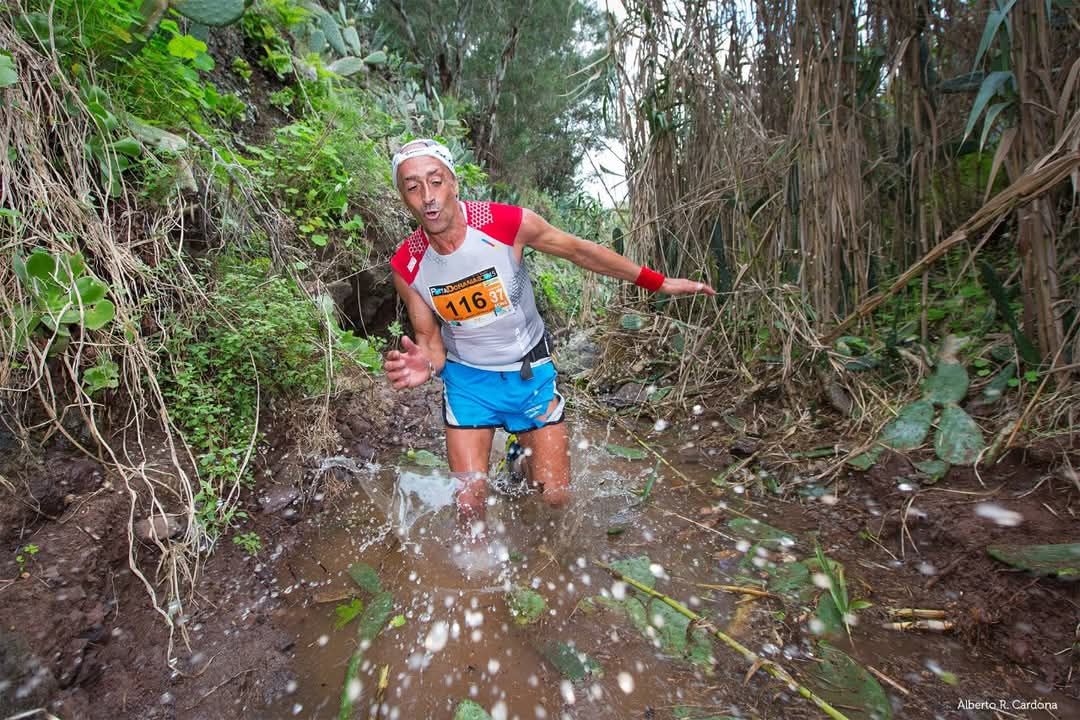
330	27
210	12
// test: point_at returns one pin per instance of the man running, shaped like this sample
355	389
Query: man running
471	305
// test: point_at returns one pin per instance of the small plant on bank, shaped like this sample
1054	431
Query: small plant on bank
249	541
242	67
23	558
283	99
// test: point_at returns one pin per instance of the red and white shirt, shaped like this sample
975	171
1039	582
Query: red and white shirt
481	292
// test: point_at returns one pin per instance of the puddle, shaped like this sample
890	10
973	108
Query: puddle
454	637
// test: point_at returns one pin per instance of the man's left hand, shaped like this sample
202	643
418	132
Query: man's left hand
682	286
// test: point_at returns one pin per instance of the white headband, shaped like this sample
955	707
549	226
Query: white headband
421	148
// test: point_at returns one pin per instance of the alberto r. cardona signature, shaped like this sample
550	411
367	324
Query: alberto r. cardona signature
1013	704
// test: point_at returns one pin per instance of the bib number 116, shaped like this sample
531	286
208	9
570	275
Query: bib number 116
468	305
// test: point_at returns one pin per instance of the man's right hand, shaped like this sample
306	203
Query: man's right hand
409	368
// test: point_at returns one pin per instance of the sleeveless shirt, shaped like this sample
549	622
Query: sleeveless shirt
481	293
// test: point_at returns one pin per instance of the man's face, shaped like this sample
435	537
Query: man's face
429	190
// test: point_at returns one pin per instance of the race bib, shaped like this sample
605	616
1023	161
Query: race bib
473	301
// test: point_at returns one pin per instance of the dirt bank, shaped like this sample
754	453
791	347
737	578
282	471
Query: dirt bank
79	635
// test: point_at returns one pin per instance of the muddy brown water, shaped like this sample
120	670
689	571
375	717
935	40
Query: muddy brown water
459	641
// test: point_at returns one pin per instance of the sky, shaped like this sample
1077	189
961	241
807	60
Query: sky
609	188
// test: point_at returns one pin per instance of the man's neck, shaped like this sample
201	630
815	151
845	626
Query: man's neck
452	237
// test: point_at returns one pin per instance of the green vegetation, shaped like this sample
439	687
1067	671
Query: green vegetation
24	556
249	541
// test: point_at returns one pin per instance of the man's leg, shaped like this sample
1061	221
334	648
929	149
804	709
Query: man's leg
548	458
469	453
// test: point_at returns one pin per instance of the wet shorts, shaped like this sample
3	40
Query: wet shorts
475	398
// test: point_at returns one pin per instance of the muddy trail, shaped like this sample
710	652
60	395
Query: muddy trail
876	594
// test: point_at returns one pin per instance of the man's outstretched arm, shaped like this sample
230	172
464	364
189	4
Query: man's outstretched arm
537	233
423	358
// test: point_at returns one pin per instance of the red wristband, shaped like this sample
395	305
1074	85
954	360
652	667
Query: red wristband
649	279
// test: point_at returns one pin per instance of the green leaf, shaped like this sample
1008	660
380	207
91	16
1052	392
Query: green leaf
99	315
41	265
88	290
19	266
934	470
573	665
365	576
1000	382
1062	560
186	47
676	637
631	322
948	384
376	58
637	568
526	606
211	12
988	123
397	621
127	146
347	66
628	453
959	440
345	614
845	683
425	458
991	84
319	239
203	61
8	74
866	460
909	428
104	375
468	710
659	394
375	615
831	619
993	23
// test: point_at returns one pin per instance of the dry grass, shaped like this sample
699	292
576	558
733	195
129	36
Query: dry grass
769	152
138	250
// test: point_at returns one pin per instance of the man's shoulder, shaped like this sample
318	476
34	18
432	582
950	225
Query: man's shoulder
496	220
406	260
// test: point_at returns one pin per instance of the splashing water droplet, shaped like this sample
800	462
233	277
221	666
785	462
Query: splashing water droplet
437	637
998	514
567	691
626	682
618	591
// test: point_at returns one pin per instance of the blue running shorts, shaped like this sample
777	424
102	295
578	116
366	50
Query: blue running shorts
475	398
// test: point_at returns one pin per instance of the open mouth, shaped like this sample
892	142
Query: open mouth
431	214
